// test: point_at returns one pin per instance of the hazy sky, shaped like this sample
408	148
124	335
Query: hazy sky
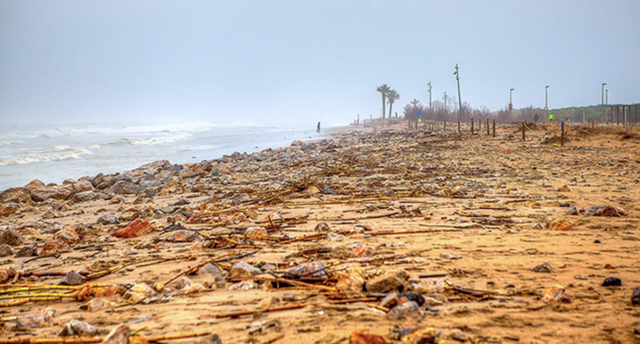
299	62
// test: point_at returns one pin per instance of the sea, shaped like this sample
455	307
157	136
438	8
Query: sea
52	154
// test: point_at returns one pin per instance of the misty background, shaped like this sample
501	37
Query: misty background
300	62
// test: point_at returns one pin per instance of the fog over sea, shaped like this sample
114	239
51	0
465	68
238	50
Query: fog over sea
55	153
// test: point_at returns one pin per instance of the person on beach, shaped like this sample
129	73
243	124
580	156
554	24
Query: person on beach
535	118
550	117
318	130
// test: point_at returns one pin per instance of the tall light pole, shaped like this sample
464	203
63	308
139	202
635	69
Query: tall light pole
603	85
459	100
511	98
429	84
546	105
606	96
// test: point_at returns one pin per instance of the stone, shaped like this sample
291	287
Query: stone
107	219
396	280
17	195
543	267
5	250
243	269
572	211
296	143
124	188
560	225
612	282
72	278
27	251
85	196
59	192
11	238
210	269
635	297
119	335
82	186
358	337
8	209
564	188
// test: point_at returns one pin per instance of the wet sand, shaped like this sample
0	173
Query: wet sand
474	211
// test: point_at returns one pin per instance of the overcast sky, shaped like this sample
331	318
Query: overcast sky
298	62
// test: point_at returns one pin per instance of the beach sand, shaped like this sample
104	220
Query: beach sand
474	211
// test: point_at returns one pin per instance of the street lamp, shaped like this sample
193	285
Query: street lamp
546	106
510	98
603	85
606	96
429	84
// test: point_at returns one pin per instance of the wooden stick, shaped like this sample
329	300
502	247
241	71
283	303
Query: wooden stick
362	299
304	238
270	309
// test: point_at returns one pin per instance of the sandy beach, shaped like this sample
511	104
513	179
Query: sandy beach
373	235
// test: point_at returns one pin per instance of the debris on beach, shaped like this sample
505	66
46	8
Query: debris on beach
365	237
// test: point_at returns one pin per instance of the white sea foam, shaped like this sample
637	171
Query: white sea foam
67	154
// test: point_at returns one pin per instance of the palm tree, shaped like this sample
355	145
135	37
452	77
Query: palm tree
392	96
383	89
414	102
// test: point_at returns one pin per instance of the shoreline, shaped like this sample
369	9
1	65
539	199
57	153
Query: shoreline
470	224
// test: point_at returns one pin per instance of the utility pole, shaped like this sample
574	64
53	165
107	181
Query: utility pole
606	96
459	99
429	84
603	85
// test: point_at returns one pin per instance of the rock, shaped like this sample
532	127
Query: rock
8	209
85	196
556	294
5	250
77	328
123	187
543	267
447	255
358	337
182	201
107	219
11	238
72	278
322	227
210	269
391	281
256	232
572	211
17	195
82	186
243	269
296	143
610	211
119	335
59	192
27	251
102	182
635	297
211	339
564	188
311	269
184	235
35	184
560	225
406	310
612	282
61	241
328	191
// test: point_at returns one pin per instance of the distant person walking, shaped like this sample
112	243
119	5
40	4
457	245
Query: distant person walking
550	117
318	130
535	118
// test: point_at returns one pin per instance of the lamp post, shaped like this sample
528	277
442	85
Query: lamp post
603	85
606	96
429	84
457	74
546	105
511	98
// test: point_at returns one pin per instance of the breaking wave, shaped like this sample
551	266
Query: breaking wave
60	154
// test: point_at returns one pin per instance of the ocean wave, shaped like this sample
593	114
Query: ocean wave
67	154
11	142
